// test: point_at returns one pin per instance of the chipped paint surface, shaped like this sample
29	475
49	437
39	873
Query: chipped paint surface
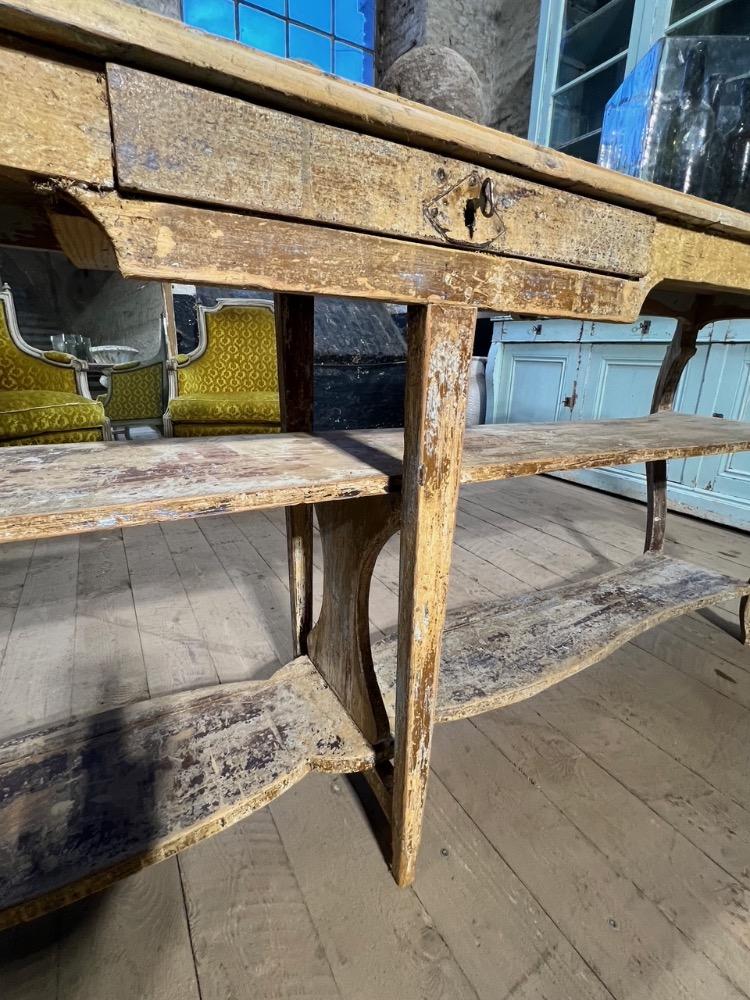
174	140
352	536
84	804
440	341
227	248
504	652
52	490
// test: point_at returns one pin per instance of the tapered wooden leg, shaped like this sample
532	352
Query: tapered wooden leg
299	534
294	348
440	343
680	351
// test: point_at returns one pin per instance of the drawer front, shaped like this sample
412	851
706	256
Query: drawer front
179	141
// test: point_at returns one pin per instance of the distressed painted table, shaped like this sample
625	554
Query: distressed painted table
135	144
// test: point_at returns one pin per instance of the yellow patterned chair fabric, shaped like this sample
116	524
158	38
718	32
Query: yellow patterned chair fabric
69	437
229	385
43	395
30	412
135	395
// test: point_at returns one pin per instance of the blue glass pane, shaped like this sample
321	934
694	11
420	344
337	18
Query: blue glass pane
316	13
216	16
277	6
262	31
308	46
352	64
355	21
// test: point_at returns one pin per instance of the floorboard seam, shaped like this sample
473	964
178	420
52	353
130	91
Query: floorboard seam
303	897
694	677
528	889
690	943
575	684
18	605
186	911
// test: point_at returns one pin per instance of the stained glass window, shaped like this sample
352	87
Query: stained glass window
337	36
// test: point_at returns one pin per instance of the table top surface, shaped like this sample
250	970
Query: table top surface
117	31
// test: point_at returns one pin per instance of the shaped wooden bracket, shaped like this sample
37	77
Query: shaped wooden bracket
352	535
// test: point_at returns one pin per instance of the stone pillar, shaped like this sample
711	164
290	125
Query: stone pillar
496	38
168	8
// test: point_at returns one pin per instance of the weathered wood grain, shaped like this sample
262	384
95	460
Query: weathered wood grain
703	262
321	173
238	642
630	942
86	803
38	658
108	656
295	336
52	490
176	651
439	346
500	653
117	32
380	941
85	243
686	886
250	927
55	117
172	242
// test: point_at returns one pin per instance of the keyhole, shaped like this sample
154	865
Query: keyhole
470	216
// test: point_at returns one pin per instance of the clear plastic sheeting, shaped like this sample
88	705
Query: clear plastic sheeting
681	118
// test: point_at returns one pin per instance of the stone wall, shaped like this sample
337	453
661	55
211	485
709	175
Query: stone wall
497	37
169	8
402	25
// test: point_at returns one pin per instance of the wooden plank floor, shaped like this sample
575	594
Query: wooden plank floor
591	843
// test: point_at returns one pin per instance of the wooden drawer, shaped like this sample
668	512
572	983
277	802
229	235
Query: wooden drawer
180	141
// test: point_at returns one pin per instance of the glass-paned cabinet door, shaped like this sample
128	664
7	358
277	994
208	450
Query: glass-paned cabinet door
587	44
696	17
586	47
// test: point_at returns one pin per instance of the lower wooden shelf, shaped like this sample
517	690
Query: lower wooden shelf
85	804
500	653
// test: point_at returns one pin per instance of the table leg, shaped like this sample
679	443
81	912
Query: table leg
440	344
294	348
679	352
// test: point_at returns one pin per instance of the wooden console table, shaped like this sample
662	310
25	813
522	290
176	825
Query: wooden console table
138	145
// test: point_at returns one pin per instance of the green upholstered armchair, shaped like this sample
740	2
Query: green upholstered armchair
135	395
44	395
229	383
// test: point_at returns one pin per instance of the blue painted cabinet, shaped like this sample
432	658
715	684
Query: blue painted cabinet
560	370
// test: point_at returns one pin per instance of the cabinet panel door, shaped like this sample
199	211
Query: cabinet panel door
606	371
619	383
533	383
720	484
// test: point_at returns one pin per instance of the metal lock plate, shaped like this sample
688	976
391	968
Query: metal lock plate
467	214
